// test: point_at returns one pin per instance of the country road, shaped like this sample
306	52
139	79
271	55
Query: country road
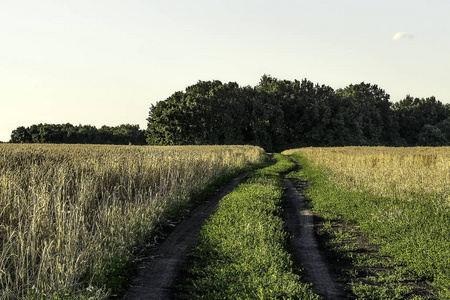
161	267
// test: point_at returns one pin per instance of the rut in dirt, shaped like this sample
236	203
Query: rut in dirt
159	270
300	223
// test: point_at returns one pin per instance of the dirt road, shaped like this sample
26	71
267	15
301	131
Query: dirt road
159	270
300	223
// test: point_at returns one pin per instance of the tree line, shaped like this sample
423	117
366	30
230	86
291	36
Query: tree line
82	134
275	114
280	114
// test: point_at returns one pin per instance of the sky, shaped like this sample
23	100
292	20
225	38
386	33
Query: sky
106	62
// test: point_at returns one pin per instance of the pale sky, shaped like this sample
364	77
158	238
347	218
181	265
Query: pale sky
105	62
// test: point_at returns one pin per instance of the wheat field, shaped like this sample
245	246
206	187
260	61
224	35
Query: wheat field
65	209
405	173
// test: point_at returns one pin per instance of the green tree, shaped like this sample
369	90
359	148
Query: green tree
413	114
69	133
308	112
278	114
268	115
444	127
87	134
21	135
200	115
168	121
368	114
127	134
431	136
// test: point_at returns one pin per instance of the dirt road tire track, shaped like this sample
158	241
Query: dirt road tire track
300	223
159	270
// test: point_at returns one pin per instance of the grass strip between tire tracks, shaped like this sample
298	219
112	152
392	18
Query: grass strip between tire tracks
242	248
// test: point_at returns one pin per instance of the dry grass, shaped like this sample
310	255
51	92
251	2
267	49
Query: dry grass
405	173
63	208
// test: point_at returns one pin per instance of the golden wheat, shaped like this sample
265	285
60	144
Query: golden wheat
405	173
65	207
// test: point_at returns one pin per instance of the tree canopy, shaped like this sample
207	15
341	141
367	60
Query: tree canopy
81	134
423	121
279	114
275	114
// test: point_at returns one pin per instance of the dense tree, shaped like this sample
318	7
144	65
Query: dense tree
413	114
303	115
81	134
369	115
21	135
431	135
278	114
444	127
206	113
275	114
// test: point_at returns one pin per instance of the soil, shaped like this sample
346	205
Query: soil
300	223
160	268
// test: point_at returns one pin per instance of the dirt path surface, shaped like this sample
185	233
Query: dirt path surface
300	223
159	270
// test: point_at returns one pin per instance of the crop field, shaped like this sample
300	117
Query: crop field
406	173
399	198
71	215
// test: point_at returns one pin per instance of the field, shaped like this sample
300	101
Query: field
405	173
71	215
399	199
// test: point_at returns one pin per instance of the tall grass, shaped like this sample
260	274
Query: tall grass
396	196
404	173
70	213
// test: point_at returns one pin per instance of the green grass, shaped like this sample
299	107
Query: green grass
411	238
242	249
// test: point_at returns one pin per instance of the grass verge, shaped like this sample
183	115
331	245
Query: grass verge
392	249
242	249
